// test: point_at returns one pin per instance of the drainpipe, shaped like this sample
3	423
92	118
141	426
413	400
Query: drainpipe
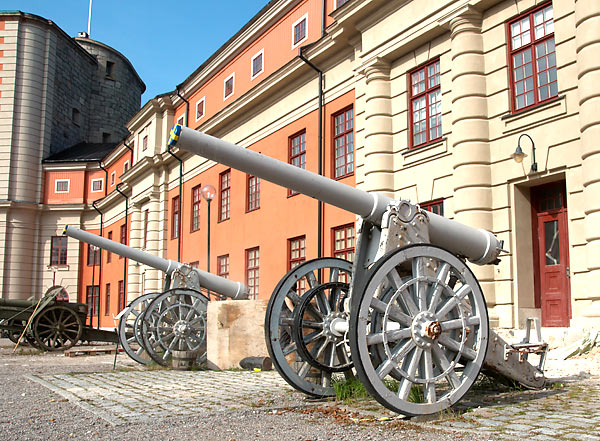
124	258
323	18
100	250
320	150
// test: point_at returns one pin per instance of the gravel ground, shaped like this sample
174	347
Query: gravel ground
29	411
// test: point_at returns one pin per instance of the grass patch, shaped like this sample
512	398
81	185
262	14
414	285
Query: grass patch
349	389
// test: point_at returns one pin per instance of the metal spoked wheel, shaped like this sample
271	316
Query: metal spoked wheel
320	325
279	321
130	328
419	336
57	328
175	321
28	338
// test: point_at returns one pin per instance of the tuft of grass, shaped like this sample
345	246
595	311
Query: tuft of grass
349	389
416	394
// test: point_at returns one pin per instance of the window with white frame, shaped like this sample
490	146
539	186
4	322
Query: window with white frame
300	31
113	177
61	185
181	120
228	86
145	143
339	3
125	166
200	108
97	185
257	64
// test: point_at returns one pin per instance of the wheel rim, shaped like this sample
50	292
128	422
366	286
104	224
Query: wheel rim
319	342
57	328
421	330
130	328
175	320
279	337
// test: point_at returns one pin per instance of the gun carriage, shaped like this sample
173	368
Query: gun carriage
408	315
154	325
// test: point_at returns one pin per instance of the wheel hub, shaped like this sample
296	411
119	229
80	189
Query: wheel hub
425	329
329	324
181	328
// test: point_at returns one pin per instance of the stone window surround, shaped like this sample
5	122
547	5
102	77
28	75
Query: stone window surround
198	115
232	78
95	181
61	181
304	18
262	67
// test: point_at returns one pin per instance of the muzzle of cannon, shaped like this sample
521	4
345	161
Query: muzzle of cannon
155	325
407	315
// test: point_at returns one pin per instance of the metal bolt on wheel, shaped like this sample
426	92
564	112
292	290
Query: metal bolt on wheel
57	328
279	322
175	321
419	335
130	328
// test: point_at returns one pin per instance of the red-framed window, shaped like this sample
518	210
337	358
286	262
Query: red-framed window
121	295
108	253
300	31
252	268
196	199
343	242
123	235
343	143
223	266
436	206
296	251
297	152
225	195
107	300
532	58
200	108
425	98
145	143
175	218
58	250
229	84
253	193
257	64
146	219
92	298
93	255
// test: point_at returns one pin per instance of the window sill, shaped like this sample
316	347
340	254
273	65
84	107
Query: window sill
529	110
339	178
222	220
62	267
425	153
423	147
254	209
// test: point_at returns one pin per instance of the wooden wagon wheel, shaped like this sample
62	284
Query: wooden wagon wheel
57	328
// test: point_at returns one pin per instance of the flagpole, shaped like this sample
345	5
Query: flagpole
90	19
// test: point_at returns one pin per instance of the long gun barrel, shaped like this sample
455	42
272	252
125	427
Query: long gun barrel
226	287
479	246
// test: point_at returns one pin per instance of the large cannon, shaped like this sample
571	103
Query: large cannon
155	325
408	315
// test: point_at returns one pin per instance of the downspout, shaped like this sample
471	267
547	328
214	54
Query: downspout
324	18
100	249
124	258
320	151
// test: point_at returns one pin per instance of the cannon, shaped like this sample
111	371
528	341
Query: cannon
154	325
408	315
50	323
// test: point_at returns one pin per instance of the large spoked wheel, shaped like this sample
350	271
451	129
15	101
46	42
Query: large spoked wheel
279	322
419	336
14	335
57	328
130	328
175	321
320	325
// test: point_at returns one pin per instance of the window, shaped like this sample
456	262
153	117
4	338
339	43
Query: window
343	242
425	104
253	193
175	218
223	266
340	3
61	185
76	116
532	58
299	31
229	86
58	250
297	153
92	298
436	206
123	232
146	219
125	166
110	67
107	300
121	305
93	255
106	137
108	253
225	192
145	143
96	185
181	120
196	199
343	142
296	255
252	265
200	108
257	64
112	178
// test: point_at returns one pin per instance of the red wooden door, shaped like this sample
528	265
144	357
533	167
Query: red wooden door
551	246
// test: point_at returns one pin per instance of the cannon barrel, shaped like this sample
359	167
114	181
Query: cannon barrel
226	287
479	246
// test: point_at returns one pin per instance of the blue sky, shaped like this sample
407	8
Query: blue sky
164	40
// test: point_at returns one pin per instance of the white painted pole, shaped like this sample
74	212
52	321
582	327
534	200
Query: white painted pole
90	20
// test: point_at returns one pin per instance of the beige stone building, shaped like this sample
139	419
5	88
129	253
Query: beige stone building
440	94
